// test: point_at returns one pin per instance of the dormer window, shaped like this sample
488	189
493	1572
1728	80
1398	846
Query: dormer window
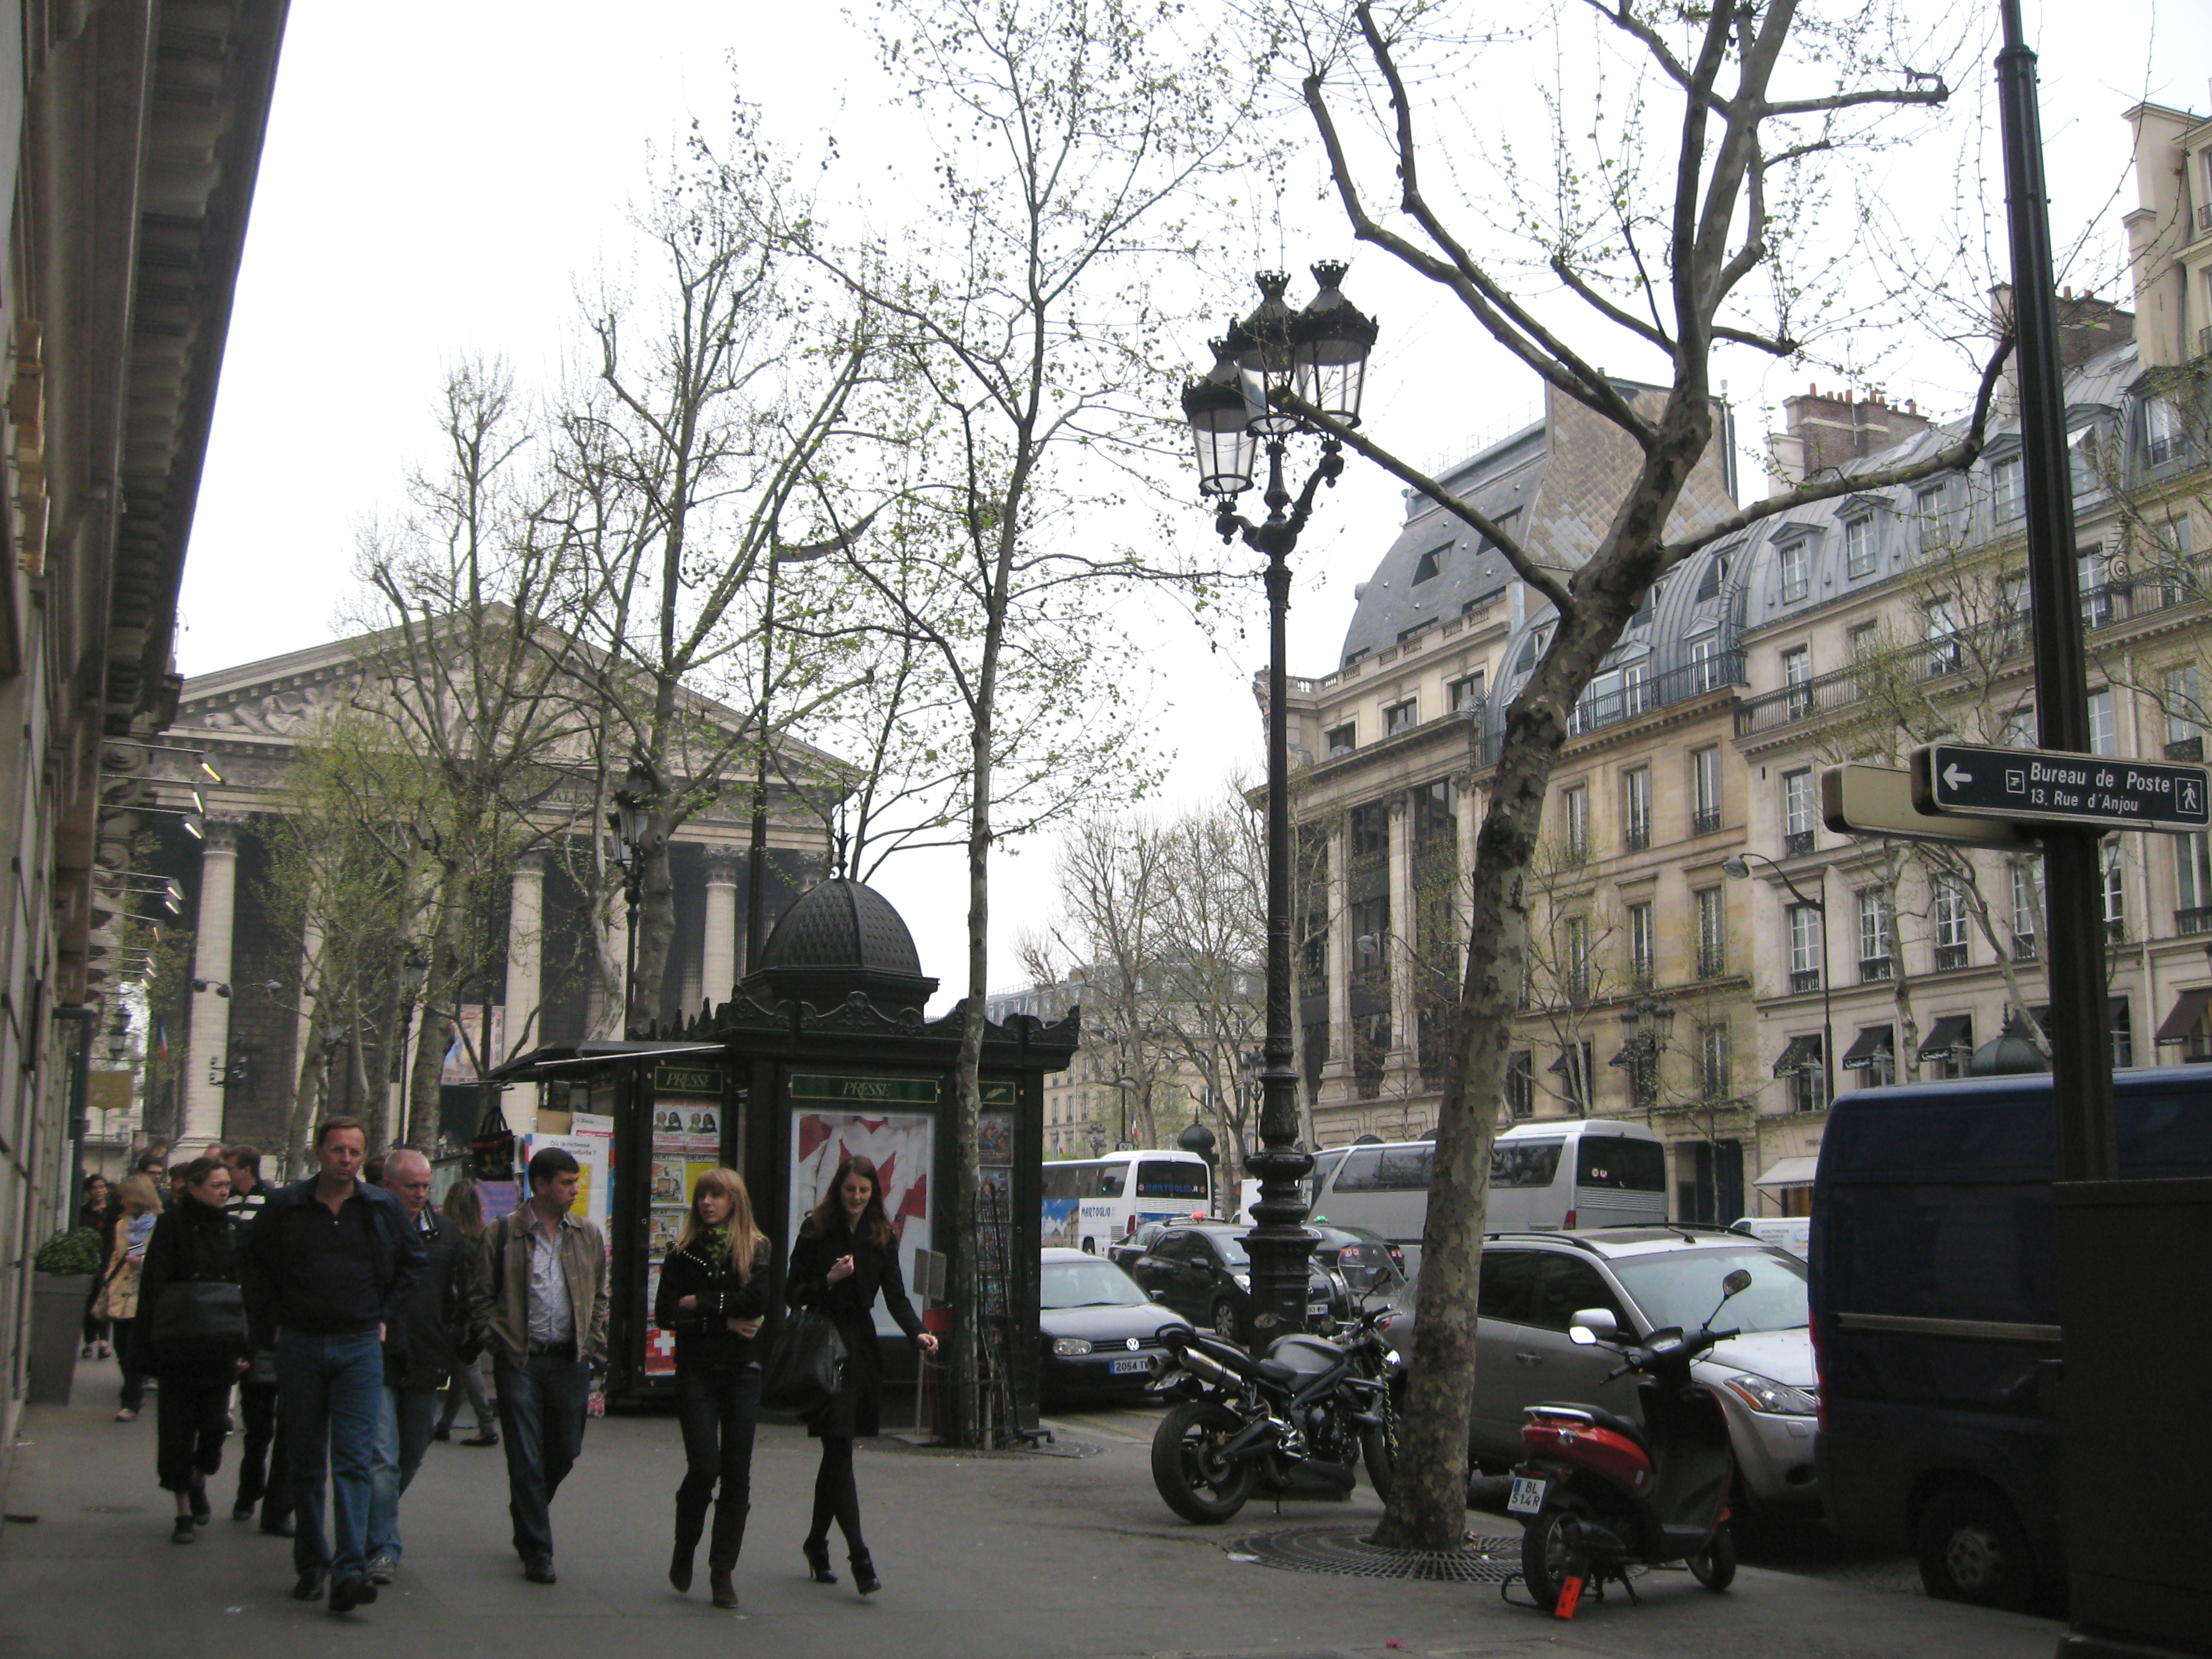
1430	564
1400	717
2007	499
1858	548
1341	739
1709	584
1795	559
1467	694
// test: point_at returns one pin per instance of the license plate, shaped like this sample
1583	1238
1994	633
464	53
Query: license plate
1126	1367
1528	1496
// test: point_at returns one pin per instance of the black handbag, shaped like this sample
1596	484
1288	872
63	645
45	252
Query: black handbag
200	1313
805	1366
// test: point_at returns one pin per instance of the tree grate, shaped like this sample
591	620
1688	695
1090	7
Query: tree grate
1345	1551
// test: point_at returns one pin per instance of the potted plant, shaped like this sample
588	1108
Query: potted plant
67	1263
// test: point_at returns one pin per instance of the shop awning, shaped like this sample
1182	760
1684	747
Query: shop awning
1804	1054
1789	1172
1952	1033
1872	1040
2188	1014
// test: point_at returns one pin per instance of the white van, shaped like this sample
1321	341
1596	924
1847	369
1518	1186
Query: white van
1543	1177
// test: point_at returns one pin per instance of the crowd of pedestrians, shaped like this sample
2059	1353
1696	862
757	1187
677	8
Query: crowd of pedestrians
336	1309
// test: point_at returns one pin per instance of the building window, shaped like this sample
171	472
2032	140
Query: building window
1573	1070
1808	1082
1708	665
1944	653
2116	896
2019	731
2027	909
1795	560
1950	924
1574	823
1466	694
1704	790
1804	948
1797	674
1371	1047
1713	1061
2104	739
1858	548
2123	1034
1370	940
1574	959
1636	808
1644	945
1521	1084
1928	517
2184	736
1864	641
1367	831
2192	882
1797	814
1340	739
1712	933
1399	717
1874	964
2006	501
2162	434
1425	568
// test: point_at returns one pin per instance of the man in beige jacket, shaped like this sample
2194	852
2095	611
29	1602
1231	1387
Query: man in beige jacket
539	1306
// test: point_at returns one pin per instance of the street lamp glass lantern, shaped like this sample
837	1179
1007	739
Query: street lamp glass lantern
1330	344
1265	360
1214	406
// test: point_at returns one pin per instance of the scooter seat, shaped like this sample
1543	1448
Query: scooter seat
1601	1418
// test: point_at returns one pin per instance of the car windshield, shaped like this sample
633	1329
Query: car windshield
1680	1287
1232	1250
1087	1284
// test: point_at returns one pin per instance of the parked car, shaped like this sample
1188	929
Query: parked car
1124	1255
1203	1273
1370	1264
1533	1284
1099	1331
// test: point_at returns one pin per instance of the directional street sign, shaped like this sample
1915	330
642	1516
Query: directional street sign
1877	800
2050	786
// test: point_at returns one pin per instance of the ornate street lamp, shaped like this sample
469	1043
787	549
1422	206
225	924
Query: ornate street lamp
1319	355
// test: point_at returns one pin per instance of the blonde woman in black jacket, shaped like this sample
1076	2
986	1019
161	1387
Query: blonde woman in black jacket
714	1295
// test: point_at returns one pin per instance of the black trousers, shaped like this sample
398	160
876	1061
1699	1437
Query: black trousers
190	1418
719	1406
835	1496
127	1354
263	1472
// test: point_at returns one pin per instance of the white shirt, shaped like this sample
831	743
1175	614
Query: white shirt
552	1319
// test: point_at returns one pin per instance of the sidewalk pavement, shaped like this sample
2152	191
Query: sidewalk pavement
1008	1556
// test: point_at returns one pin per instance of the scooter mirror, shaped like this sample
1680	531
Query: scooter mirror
1591	1327
1737	1282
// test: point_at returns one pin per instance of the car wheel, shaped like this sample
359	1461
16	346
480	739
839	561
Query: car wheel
1972	1549
1192	1477
1714	1566
1223	1319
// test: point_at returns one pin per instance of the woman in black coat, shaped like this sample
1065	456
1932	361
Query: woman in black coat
847	1255
714	1295
191	1244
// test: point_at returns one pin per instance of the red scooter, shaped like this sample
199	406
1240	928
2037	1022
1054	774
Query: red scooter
1598	1494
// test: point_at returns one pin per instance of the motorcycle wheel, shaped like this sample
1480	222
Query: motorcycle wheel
1193	1479
1376	1451
1546	1561
1714	1566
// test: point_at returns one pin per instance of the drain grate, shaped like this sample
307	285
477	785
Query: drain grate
1344	1549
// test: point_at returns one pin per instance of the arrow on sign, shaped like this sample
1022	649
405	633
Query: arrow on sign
1955	777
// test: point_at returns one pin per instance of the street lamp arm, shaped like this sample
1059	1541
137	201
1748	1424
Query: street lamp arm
1782	876
1260	538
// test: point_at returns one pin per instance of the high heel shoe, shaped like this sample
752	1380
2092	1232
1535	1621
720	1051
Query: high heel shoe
817	1561
864	1574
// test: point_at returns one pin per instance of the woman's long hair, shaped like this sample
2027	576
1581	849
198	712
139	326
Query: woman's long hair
464	1208
139	1195
746	1237
829	1214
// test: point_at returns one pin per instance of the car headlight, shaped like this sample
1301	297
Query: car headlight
1070	1347
1243	1280
1764	1394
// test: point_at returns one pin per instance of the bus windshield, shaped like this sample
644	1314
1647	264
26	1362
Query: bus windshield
1160	1177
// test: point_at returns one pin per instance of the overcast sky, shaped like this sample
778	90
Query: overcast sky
437	177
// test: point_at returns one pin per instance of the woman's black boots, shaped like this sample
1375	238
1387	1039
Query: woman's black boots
817	1560
722	1551
691	1522
864	1573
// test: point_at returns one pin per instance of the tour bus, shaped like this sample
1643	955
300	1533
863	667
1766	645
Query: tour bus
1092	1202
1543	1177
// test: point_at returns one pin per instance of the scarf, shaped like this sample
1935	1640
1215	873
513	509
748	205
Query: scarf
135	1230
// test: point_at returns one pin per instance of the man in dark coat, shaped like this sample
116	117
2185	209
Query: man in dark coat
419	1356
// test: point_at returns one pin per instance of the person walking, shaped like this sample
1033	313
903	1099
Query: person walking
846	1256
139	1200
265	1480
419	1359
714	1295
465	1209
197	1358
328	1264
92	1217
540	1297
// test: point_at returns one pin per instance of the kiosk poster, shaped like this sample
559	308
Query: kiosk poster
687	1142
834	1117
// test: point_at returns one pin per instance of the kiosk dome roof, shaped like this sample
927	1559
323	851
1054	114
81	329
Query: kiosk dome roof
839	936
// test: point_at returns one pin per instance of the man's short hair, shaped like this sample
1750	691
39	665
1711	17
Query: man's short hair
244	1157
397	1157
372	1171
331	1125
153	1160
551	1161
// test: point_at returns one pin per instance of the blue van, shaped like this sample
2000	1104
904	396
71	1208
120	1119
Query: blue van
1935	1308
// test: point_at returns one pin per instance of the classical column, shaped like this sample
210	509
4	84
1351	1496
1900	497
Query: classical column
1343	951
1398	949
525	954
718	955
606	1004
1469	803
209	1055
311	948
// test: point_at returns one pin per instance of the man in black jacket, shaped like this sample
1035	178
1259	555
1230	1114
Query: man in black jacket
329	1263
420	1357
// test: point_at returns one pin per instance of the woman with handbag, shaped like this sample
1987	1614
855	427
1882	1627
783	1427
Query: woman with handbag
714	1295
846	1256
192	1332
139	1201
463	1207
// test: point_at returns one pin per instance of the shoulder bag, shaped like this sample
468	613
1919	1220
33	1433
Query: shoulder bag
806	1365
200	1313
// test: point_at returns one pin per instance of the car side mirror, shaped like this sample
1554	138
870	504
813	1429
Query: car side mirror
1593	1326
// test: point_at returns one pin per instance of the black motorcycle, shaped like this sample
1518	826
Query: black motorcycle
1310	1404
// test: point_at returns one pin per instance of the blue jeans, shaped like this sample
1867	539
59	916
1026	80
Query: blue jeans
330	1392
403	1435
542	1406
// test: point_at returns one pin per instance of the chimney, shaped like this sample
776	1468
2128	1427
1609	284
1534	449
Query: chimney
1824	430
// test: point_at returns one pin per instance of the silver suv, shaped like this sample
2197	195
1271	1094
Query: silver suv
1533	1284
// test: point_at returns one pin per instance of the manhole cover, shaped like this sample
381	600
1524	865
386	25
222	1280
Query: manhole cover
113	1508
1346	1550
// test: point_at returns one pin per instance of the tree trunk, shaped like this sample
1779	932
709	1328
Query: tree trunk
306	1095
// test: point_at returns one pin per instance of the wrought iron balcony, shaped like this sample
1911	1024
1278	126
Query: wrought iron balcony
1805	979
2186	749
1712	961
1949	957
1796	843
2195	920
1873	970
1704	820
1637	837
2025	948
1624	702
